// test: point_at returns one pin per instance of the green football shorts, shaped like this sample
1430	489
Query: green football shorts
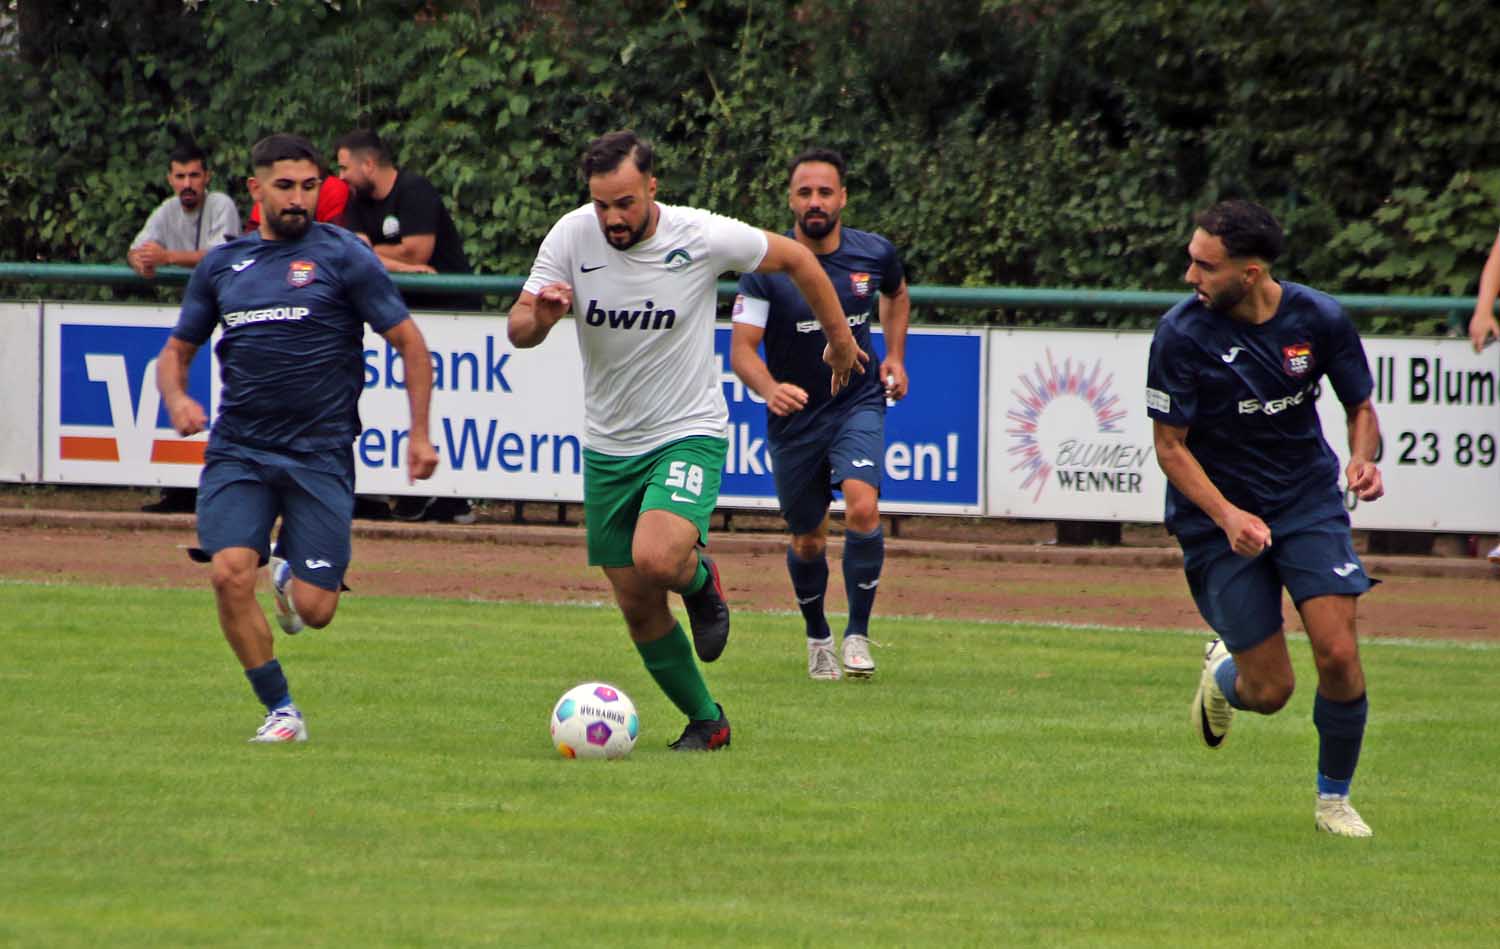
682	477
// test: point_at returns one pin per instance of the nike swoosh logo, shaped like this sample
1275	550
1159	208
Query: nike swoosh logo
317	564
1346	569
242	265
862	463
1233	352
804	600
869	586
683	498
587	269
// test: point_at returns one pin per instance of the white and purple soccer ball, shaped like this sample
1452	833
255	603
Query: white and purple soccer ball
594	720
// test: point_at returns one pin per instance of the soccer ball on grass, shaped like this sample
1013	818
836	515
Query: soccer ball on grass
594	720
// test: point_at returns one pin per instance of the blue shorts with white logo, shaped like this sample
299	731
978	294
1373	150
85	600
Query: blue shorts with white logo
1240	597
244	489
808	467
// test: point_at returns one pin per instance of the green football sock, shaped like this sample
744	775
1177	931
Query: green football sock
700	577
670	662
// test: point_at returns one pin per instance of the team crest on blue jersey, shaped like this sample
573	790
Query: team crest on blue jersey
861	284
1297	359
677	259
300	273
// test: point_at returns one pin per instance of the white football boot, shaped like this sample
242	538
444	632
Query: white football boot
284	724
858	663
821	662
1336	817
1212	712
281	590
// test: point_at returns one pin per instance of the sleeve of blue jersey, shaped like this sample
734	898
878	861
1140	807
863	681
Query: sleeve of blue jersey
369	286
200	304
1169	374
1348	367
892	272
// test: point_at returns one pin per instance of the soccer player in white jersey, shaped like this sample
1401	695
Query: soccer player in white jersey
641	280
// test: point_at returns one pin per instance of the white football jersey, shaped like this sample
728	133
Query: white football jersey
645	319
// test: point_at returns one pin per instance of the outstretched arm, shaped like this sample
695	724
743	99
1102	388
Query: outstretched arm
784	255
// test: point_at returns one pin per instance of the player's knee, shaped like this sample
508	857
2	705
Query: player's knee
1339	671
1339	659
809	546
233	583
659	571
862	516
317	616
1268	698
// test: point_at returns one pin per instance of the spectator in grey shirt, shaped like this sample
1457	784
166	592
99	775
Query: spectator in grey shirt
184	227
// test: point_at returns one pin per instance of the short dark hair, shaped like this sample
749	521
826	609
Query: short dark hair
609	150
366	141
188	151
1246	228
283	146
825	155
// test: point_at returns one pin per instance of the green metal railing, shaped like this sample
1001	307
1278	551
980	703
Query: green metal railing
1021	298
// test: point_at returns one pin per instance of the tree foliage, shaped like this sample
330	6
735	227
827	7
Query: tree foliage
998	142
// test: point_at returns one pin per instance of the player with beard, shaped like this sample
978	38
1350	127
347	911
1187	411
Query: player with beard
292	299
641	279
819	441
1253	494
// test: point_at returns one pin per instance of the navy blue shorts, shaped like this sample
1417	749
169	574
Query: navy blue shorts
1240	597
807	468
244	489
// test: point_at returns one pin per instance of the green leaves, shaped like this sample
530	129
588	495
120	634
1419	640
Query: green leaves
1010	142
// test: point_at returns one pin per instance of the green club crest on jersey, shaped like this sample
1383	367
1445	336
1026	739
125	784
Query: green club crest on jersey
677	259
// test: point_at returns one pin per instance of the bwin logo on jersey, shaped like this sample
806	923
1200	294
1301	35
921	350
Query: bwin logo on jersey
644	319
676	259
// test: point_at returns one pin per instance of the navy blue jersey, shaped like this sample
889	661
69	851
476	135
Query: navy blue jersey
1247	396
291	360
863	266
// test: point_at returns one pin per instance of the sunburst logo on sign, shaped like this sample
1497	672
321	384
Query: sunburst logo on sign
1068	399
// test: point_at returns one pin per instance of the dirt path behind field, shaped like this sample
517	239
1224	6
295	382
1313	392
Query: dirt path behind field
1138	586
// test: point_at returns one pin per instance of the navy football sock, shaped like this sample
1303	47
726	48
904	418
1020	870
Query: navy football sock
810	584
1341	730
270	686
864	556
1225	676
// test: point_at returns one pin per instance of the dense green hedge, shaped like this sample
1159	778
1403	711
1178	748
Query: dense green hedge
1010	142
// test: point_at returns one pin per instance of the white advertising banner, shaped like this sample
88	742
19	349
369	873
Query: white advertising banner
1070	438
1043	424
1439	412
507	423
21	383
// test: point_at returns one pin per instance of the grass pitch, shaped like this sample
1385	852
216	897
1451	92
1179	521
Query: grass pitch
994	785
